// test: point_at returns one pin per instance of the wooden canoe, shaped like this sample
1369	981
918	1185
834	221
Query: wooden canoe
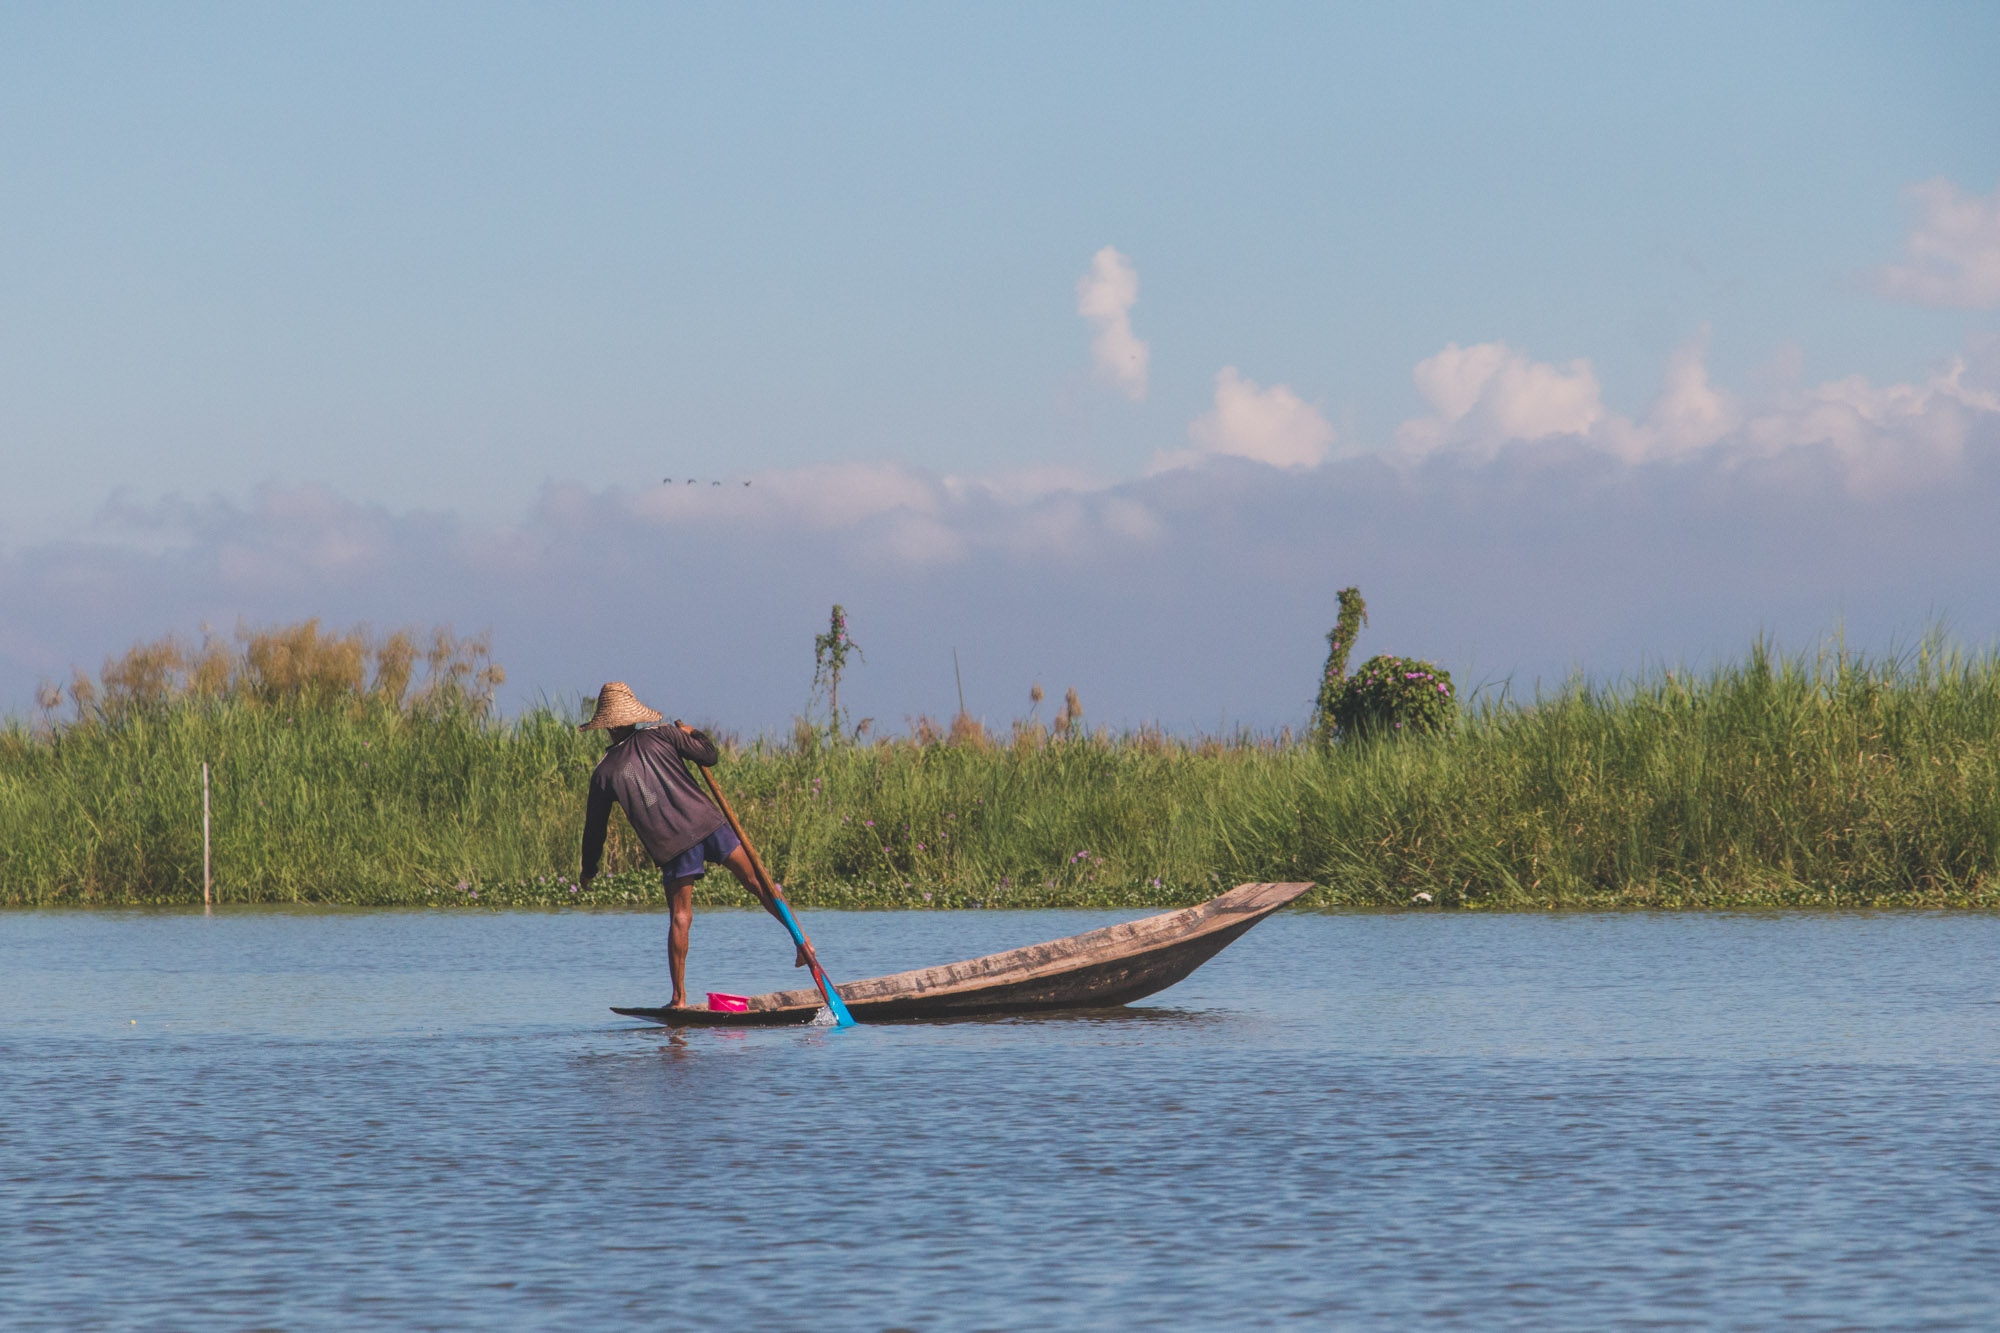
1110	966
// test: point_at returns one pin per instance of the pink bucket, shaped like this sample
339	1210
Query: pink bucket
728	1004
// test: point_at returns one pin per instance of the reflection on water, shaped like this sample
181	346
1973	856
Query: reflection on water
299	1119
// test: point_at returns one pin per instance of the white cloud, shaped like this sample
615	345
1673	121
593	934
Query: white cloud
1489	393
1690	414
1954	250
1454	379
1489	397
1889	436
1105	297
1273	426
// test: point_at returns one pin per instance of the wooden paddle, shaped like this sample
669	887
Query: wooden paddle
833	1001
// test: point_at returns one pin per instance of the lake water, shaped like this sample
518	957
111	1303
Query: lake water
406	1119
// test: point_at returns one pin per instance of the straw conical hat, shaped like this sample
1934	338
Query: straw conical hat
617	706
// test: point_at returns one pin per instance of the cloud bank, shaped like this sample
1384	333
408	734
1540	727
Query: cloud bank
1529	530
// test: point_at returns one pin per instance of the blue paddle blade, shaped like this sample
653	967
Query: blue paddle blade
841	1018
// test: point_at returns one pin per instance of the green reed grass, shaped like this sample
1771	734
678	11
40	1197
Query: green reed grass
1825	781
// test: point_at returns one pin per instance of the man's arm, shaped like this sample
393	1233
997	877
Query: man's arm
596	818
691	744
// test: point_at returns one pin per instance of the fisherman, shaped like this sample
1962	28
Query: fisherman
682	830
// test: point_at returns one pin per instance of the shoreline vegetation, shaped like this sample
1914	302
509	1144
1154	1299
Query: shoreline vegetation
1773	782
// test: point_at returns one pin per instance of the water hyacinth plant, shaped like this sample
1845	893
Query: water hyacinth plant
1392	694
1387	695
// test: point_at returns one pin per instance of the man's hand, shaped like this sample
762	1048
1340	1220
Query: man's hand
807	958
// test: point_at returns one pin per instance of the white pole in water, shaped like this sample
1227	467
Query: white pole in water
206	900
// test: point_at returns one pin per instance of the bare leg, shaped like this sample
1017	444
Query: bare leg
739	865
681	895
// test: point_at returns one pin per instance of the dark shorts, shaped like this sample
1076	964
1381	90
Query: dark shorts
710	850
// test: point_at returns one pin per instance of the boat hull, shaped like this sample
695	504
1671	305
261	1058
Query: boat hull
1097	969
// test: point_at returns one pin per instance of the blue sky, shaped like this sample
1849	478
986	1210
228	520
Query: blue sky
399	312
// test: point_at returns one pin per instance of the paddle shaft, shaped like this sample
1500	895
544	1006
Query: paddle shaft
736	827
770	887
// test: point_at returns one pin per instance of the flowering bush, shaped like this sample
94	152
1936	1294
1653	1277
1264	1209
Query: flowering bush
1394	694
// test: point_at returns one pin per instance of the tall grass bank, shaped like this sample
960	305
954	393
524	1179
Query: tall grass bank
1774	782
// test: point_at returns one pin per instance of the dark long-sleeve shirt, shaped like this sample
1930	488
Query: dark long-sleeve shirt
644	774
